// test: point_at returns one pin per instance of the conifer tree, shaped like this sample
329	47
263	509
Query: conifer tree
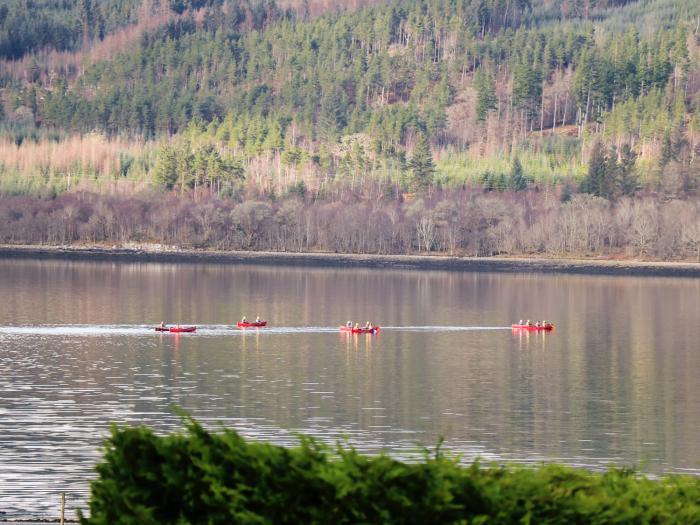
629	181
485	95
332	119
421	164
165	173
667	151
596	181
527	87
517	180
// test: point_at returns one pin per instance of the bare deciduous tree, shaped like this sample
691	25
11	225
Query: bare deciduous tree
457	222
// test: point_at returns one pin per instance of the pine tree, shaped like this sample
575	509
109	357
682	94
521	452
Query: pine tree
517	180
487	181
91	21
199	165
274	140
610	184
629	181
184	159
332	119
485	95
596	179
421	164
527	87
667	151
165	173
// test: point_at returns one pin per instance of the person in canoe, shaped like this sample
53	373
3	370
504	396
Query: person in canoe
257	319
162	324
529	323
244	320
368	325
349	324
357	326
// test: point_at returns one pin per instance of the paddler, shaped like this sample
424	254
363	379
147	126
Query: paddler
244	320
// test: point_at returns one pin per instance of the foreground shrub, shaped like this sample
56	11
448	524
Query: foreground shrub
219	478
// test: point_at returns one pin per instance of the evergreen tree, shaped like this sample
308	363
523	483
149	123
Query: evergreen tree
488	181
485	95
610	183
596	181
332	119
667	151
200	163
165	173
184	159
629	180
274	140
517	180
421	164
527	87
91	22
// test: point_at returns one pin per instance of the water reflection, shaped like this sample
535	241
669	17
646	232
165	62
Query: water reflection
614	383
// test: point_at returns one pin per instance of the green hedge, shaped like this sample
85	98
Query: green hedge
220	478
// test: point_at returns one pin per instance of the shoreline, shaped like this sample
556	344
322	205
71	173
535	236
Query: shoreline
331	260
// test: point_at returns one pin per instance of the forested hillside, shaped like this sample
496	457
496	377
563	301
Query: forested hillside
375	105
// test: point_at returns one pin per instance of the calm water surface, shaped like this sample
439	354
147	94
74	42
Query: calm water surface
616	383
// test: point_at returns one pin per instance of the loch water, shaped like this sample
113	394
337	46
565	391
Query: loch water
614	384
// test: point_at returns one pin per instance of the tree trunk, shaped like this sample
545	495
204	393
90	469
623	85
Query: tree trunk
542	111
554	117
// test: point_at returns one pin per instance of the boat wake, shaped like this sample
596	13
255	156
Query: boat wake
207	330
440	328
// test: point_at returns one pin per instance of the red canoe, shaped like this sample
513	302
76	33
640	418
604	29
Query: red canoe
351	330
176	329
251	324
548	327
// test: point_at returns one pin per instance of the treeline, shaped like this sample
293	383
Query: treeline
459	222
204	477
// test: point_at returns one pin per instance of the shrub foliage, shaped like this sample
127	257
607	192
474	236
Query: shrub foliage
220	478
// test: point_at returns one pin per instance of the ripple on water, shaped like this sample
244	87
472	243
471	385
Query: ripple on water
495	396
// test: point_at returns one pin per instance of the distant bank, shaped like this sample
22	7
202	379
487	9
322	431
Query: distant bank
411	262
